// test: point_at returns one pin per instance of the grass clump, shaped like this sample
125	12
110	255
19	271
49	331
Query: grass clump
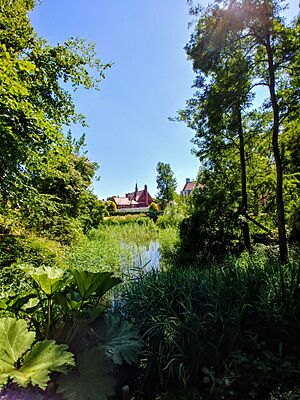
113	247
230	330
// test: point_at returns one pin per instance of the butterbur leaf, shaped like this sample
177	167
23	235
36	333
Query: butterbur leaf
15	340
123	341
49	279
43	358
90	380
94	282
107	284
31	305
25	365
3	305
18	302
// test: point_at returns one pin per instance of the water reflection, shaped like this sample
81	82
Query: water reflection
139	258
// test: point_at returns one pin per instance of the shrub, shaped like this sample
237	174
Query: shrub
173	214
31	249
111	206
153	207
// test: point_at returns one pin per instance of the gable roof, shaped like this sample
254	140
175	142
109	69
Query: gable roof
190	186
137	194
124	201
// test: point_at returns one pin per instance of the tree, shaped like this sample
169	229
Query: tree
166	183
42	174
34	104
270	50
223	92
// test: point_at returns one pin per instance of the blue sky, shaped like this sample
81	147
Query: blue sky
129	131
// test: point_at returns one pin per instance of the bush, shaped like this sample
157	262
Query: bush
34	250
111	206
173	214
153	207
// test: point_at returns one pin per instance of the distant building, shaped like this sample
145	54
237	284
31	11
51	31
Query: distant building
136	199
189	186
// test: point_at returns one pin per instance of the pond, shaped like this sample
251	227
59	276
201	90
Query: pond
138	258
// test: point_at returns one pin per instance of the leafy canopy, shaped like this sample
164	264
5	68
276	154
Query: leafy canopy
166	182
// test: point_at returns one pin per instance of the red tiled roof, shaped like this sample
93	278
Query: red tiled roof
124	201
137	194
189	186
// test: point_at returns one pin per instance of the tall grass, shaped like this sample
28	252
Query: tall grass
231	328
115	248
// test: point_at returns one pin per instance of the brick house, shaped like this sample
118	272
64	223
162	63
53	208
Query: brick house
189	186
136	199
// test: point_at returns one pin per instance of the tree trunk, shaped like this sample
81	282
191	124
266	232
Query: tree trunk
279	171
246	233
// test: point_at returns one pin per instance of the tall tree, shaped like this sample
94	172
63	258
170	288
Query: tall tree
271	48
223	84
34	102
166	183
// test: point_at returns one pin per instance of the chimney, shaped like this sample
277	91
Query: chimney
146	194
187	180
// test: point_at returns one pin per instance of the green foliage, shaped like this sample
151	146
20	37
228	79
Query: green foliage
123	342
113	247
210	231
166	183
117	342
91	380
31	249
169	242
234	48
26	363
94	282
111	206
153	207
48	279
59	297
45	181
173	214
124	219
228	328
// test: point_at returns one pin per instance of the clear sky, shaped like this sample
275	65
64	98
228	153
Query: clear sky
129	131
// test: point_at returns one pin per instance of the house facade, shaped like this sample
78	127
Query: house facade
189	186
136	199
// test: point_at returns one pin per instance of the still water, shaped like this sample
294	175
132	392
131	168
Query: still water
140	258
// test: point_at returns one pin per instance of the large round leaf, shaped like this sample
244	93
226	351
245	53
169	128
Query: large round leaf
15	340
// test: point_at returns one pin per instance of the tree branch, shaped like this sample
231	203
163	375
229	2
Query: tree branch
258	224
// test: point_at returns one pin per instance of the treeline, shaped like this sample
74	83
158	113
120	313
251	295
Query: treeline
245	55
45	175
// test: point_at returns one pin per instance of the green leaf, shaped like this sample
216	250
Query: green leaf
36	363
15	340
3	305
123	341
91	380
43	358
31	305
49	279
18	302
94	282
107	284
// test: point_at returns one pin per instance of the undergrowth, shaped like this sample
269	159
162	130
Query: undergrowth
229	329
